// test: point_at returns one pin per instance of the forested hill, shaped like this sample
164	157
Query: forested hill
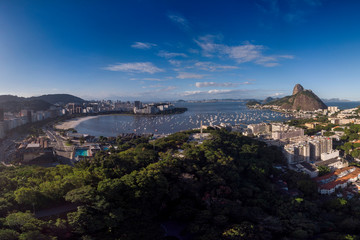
14	103
223	189
59	98
18	104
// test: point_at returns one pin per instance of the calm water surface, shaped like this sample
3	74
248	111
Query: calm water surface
209	113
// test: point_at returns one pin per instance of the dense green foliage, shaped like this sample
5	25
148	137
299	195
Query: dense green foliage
12	103
252	103
225	188
323	170
59	98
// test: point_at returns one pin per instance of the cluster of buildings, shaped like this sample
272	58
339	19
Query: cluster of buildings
310	149
308	153
11	120
107	106
97	107
34	148
152	108
303	153
275	131
345	117
340	178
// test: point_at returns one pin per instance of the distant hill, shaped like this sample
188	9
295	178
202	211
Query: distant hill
11	103
10	98
59	98
335	100
252	103
269	99
18	104
300	100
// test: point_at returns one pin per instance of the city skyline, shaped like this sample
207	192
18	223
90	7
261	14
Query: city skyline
170	50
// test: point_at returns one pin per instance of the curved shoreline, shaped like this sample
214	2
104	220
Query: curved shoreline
73	122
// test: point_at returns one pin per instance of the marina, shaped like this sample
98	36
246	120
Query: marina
211	114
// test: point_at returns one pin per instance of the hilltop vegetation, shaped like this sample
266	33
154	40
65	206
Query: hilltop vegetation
12	103
222	189
21	103
59	98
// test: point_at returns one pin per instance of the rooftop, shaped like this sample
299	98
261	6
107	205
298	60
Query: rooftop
328	162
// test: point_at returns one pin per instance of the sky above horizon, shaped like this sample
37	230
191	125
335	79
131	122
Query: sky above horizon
170	50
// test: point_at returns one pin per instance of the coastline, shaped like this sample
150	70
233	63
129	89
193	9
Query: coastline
73	122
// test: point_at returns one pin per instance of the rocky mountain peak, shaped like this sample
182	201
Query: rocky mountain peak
298	88
301	99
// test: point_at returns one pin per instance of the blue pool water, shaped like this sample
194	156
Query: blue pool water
81	152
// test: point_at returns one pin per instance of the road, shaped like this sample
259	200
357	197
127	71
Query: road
63	153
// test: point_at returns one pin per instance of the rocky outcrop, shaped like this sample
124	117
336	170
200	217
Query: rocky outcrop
298	88
301	99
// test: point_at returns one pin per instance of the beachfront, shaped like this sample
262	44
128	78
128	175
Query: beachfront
73	123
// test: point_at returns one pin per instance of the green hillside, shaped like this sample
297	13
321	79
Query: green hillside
223	189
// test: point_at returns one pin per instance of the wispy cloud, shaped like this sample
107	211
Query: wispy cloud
147	79
136	67
166	54
160	89
185	75
278	94
143	45
175	63
154	86
153	79
214	84
180	21
246	52
213	92
169	88
293	11
209	66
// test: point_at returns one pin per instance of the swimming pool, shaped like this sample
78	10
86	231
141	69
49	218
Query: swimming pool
81	152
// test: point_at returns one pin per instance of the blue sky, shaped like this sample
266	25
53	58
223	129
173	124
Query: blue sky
169	50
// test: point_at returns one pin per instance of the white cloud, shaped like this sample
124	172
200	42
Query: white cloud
180	20
188	93
185	75
148	79
209	66
247	52
214	84
166	54
175	63
153	79
217	91
161	89
277	94
136	67
169	88
143	45
213	92
153	86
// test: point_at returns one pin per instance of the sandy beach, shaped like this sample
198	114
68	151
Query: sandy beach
73	123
